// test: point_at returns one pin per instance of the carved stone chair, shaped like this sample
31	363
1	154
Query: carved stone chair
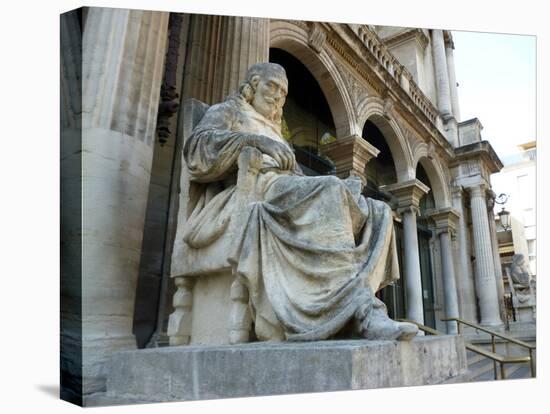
209	291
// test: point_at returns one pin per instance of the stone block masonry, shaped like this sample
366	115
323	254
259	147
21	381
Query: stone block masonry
255	369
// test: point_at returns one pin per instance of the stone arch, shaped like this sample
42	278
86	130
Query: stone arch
436	174
374	111
293	38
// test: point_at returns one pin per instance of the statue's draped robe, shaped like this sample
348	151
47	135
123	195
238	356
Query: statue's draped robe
311	250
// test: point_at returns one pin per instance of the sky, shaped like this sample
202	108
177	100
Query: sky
496	74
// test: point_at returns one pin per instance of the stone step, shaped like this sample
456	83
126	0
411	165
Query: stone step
483	371
474	358
518	371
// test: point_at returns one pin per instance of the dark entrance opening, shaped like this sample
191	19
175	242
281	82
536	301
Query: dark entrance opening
307	120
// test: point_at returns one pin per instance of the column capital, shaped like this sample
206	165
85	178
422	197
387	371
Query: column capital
446	220
408	193
350	155
457	191
408	209
478	190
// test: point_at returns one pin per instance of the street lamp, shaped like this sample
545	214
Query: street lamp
503	214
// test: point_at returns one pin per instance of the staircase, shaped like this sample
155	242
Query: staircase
488	351
480	368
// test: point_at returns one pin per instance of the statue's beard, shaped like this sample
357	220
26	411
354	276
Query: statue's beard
268	108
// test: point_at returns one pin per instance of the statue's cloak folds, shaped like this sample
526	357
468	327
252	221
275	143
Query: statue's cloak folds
307	248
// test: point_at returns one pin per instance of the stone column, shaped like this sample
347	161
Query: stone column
350	156
123	56
408	195
449	47
445	225
71	207
222	49
465	285
486	289
498	266
441	74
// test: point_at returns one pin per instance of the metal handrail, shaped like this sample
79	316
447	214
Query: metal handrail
493	343
489	331
501	359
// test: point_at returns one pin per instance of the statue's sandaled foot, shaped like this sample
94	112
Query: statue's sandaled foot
377	325
389	330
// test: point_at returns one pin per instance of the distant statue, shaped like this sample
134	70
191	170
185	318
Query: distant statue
520	274
310	251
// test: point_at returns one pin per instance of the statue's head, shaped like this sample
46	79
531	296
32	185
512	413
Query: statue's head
518	259
265	88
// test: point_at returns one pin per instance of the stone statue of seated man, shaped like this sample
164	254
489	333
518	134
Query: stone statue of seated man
310	251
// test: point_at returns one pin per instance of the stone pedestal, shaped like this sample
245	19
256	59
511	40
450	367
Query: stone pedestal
195	373
350	155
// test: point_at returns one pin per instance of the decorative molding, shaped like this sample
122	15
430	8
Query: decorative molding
317	37
411	34
356	90
355	64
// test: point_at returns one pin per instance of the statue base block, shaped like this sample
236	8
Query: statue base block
255	369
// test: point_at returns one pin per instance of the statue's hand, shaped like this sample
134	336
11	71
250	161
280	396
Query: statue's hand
279	152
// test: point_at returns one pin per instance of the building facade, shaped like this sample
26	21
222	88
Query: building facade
517	180
380	103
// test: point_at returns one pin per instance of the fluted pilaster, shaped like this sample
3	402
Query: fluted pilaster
486	289
245	41
222	49
464	279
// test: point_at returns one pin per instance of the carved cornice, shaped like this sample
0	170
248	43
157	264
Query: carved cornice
417	35
482	152
355	64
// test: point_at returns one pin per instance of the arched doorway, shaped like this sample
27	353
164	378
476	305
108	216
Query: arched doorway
307	119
